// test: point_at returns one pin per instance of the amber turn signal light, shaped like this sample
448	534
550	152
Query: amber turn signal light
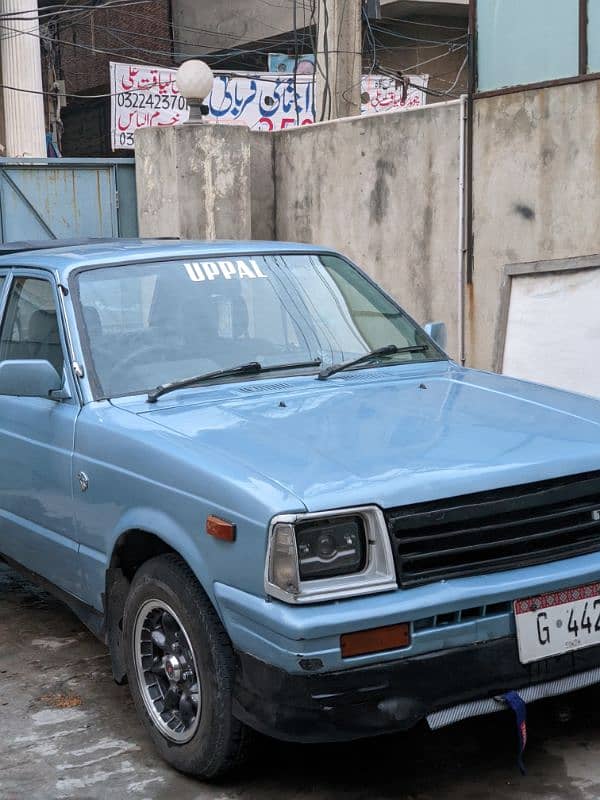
220	528
375	640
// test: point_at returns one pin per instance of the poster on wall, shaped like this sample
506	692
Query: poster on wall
303	65
144	96
388	94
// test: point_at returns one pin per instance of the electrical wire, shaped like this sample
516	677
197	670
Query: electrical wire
370	36
79	13
409	21
261	49
121	5
295	24
26	15
458	74
327	100
244	51
419	64
128	48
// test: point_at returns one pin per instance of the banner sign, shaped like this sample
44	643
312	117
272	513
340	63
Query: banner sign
388	94
144	96
262	101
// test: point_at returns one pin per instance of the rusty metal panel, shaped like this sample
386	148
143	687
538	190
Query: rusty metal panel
66	198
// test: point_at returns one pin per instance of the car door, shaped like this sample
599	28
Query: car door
36	439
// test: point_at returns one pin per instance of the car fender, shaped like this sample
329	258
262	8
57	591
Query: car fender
174	535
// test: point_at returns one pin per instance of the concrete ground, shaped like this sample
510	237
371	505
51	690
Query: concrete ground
67	731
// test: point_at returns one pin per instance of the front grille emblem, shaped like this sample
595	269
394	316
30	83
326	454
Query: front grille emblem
596	514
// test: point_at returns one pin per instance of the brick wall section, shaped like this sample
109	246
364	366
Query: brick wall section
126	33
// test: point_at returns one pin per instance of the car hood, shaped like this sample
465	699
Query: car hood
389	437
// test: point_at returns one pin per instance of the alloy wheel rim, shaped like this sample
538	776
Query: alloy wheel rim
167	672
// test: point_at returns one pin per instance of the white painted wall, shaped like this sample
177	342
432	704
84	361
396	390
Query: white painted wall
553	331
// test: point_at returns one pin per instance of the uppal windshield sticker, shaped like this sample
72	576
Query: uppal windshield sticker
209	270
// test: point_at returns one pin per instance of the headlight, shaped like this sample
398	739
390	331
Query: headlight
314	557
331	547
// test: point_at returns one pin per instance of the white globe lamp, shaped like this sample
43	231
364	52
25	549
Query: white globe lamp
195	80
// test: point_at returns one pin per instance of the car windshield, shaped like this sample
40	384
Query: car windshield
148	324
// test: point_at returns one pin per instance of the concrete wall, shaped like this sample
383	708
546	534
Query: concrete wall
383	190
536	192
193	181
262	182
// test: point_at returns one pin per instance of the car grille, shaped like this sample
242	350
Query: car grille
491	531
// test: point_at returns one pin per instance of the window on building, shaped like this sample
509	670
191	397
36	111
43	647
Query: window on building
529	42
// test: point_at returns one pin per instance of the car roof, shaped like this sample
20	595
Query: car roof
73	254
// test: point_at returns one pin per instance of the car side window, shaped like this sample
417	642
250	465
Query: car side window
30	328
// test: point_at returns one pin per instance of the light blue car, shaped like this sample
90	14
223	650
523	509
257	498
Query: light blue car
278	501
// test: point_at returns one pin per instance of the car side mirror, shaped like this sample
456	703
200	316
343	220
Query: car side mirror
437	332
31	378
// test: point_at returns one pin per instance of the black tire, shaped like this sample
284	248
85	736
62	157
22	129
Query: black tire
219	742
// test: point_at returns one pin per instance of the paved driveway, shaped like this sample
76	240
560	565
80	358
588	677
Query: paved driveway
67	731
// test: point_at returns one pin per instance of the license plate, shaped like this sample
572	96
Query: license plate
558	622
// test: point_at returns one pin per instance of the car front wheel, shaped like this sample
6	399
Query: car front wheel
180	666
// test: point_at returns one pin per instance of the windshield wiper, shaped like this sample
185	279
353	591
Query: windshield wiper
389	350
251	368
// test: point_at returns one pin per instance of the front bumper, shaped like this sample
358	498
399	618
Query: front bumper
372	700
283	635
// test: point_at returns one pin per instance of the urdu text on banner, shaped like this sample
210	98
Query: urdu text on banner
144	96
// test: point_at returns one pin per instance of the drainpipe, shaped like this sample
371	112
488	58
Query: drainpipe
20	55
461	250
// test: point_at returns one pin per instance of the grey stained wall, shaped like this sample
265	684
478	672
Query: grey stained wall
193	181
536	192
383	190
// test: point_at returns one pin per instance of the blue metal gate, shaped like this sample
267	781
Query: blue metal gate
44	198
